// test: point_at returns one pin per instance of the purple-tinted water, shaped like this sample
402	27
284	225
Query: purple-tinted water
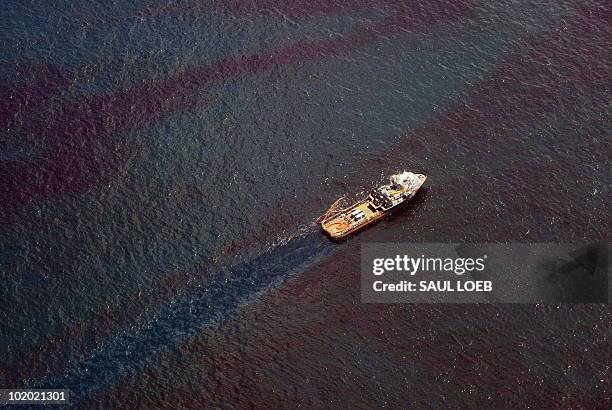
162	164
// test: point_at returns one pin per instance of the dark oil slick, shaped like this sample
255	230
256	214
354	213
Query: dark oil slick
162	163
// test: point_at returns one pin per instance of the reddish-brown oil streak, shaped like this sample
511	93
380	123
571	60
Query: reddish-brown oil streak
484	99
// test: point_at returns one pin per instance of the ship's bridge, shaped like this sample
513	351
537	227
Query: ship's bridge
405	180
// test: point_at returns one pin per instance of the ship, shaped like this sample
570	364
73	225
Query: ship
338	224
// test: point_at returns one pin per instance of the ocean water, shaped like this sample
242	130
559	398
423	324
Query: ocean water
162	164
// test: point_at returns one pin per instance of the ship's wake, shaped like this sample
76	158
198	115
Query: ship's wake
202	307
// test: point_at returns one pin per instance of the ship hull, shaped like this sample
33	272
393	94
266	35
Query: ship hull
341	226
361	227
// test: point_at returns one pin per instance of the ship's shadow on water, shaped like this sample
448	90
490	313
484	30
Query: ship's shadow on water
176	322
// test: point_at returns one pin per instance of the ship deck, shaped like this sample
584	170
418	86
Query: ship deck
342	225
